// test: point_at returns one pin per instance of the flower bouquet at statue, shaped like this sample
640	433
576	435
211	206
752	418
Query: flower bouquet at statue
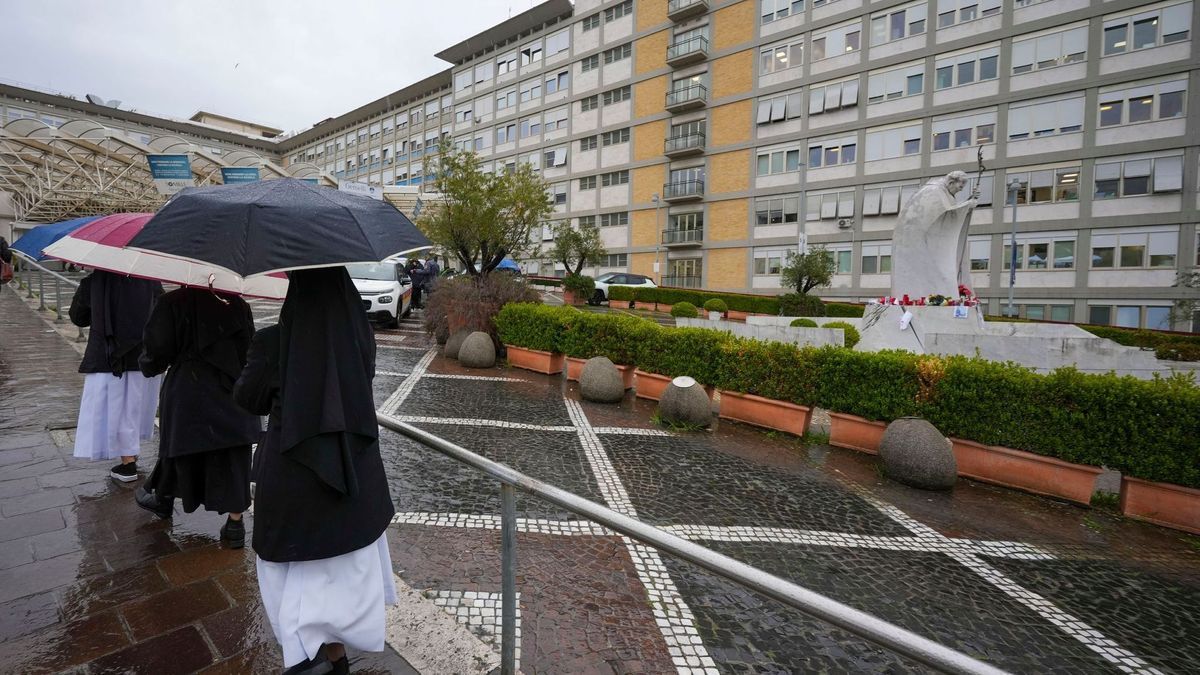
966	298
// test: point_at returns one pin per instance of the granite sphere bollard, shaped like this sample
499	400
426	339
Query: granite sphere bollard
454	344
600	381
477	351
685	402
915	453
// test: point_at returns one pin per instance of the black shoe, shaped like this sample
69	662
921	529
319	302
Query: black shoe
126	473
318	666
341	666
233	533
163	508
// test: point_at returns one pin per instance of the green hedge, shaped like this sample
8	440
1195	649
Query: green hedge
583	335
682	351
843	310
803	323
754	304
849	333
769	369
715	305
621	293
533	326
685	310
795	304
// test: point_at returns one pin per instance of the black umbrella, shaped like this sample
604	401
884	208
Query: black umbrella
276	225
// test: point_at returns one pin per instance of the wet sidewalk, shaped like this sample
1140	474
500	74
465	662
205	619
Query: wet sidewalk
89	583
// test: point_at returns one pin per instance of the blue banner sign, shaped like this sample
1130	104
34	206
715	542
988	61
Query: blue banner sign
171	173
232	175
312	181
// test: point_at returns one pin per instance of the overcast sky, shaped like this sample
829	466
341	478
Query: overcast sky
285	64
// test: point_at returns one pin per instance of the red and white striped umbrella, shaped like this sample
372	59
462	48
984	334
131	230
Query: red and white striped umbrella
101	245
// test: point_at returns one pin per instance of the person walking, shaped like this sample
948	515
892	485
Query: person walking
417	274
116	412
200	339
432	270
6	257
5	252
321	498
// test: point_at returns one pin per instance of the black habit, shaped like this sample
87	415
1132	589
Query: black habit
204	447
321	489
117	308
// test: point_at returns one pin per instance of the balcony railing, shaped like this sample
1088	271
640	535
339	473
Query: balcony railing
675	237
691	50
678	10
684	144
686	98
681	281
683	190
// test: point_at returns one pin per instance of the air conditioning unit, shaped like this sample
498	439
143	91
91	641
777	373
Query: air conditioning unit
843	224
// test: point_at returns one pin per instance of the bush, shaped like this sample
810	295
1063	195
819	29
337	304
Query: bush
850	332
878	386
532	326
803	323
581	285
616	336
772	370
672	352
715	305
621	293
642	294
684	310
472	303
795	304
1178	350
844	310
674	296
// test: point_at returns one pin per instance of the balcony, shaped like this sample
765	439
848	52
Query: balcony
687	98
683	190
684	145
681	281
684	52
679	10
688	237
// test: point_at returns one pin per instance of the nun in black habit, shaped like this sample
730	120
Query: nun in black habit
204	441
116	412
321	499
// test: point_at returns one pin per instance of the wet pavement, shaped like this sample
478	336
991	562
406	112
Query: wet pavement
91	584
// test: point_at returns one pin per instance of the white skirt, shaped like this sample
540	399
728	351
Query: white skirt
339	599
115	415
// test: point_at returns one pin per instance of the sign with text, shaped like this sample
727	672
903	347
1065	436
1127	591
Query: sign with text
361	189
171	173
232	175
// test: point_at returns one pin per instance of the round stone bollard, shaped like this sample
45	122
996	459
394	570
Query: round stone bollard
454	344
477	351
915	453
601	382
685	402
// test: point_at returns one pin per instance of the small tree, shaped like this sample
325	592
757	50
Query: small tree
575	247
483	217
1184	309
806	271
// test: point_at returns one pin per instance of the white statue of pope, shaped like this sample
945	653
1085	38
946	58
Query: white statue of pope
929	247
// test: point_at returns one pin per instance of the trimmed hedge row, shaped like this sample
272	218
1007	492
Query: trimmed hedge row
1147	429
754	304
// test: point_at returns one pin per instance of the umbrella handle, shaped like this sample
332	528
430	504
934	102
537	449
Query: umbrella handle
212	278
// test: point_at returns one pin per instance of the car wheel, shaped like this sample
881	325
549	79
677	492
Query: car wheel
597	298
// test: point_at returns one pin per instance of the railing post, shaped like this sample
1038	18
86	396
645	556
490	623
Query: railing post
41	290
508	564
28	283
58	318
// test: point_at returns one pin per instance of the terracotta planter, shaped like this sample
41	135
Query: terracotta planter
734	315
548	363
575	369
569	298
648	306
765	412
652	385
1163	504
1025	471
855	433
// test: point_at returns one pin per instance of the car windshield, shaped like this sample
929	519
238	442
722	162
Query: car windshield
606	277
376	271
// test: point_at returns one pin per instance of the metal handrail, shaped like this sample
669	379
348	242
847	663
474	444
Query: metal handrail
689	93
22	277
697	43
860	623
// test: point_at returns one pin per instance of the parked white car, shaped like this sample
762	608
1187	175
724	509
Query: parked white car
385	289
605	281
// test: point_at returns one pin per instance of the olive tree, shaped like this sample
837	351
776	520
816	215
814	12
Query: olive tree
811	269
577	246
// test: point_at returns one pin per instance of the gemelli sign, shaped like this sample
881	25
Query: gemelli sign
171	173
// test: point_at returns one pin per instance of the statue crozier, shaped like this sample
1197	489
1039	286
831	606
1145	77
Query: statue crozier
929	247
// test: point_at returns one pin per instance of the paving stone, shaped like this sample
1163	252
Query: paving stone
110	590
183	651
18	487
29	524
28	614
506	401
43	575
201	563
38	501
16	552
65	645
238	628
53	544
173	608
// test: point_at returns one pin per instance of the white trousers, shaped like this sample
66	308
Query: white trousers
115	415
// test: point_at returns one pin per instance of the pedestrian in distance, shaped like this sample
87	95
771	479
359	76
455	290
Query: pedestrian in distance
116	412
5	252
416	274
321	504
200	338
6	258
432	271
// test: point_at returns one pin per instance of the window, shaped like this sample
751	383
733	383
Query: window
1143	30
506	99
590	62
889	143
876	259
506	133
559	42
554	157
558	194
614	137
484	72
832	152
591	22
955	71
770	262
896	83
531	53
951	12
1041	254
1045	118
778	161
686	222
1050	51
1160	101
781	57
558	82
589	103
618	11
779	108
1135	249
980	252
777	210
836	41
462	80
587	183
614	178
828	97
617	95
464	114
616	260
1138	177
614	219
618	53
531	126
588	143
898	24
829	205
506	64
530	90
1045	186
964	131
844	259
886	200
773	10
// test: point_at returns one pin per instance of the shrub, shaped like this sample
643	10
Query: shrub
878	386
471	303
803	323
616	336
642	294
681	351
772	370
532	326
581	285
684	310
715	305
1178	350
844	310
623	293
795	304
673	296
850	332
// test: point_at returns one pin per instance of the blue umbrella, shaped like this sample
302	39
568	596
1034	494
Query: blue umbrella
33	242
508	264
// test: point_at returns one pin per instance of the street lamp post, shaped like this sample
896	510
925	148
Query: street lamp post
657	239
1014	184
